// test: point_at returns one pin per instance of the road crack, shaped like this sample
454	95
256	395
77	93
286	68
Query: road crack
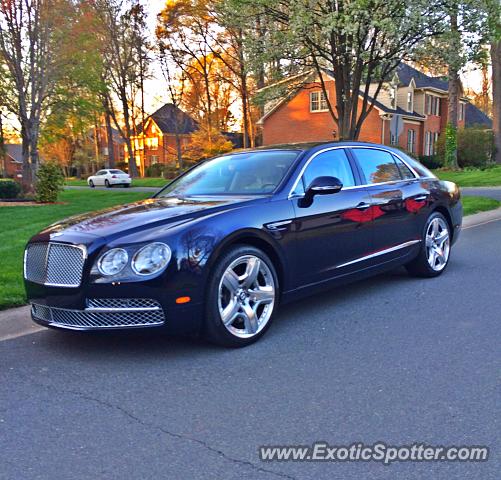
152	426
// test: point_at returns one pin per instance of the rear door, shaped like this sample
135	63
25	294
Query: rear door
335	229
397	199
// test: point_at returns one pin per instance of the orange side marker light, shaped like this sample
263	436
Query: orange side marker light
183	299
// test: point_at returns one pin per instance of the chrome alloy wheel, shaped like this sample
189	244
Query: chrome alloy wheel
437	244
246	296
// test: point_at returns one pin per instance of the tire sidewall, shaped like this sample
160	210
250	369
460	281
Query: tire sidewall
214	328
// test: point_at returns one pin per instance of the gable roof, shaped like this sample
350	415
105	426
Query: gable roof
165	118
406	74
14	151
475	117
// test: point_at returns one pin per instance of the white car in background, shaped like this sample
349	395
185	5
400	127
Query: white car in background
108	178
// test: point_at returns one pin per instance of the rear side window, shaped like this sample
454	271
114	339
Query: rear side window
116	172
420	169
332	163
377	166
405	171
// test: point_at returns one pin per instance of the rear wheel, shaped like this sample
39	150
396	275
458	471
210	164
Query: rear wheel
91	184
435	250
107	184
242	297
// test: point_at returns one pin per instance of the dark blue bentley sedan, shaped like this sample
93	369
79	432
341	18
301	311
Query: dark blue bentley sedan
218	248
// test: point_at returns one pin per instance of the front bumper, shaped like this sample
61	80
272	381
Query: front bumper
102	314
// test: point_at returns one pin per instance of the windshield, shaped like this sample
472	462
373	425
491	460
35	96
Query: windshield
252	173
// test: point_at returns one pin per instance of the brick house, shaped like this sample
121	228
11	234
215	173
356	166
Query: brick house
100	134
156	143
11	163
417	101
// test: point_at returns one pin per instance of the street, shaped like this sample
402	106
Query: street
393	359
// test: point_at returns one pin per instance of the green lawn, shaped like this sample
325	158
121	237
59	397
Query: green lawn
136	182
478	204
489	177
18	224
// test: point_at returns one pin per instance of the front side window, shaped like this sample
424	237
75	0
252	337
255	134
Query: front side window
251	173
377	166
332	163
318	102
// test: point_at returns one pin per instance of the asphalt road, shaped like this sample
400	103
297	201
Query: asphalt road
392	359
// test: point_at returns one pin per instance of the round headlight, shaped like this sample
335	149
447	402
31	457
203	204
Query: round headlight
151	259
113	261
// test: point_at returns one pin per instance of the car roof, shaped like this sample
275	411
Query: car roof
307	146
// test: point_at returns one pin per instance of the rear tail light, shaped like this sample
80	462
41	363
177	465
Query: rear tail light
113	176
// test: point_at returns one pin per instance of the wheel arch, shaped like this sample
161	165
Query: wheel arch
445	212
257	239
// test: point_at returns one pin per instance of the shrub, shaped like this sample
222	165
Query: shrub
9	189
161	170
50	182
432	161
475	148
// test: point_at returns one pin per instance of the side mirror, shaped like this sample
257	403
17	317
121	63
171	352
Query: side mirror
320	186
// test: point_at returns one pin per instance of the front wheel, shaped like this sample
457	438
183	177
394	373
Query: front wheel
91	184
242	297
435	250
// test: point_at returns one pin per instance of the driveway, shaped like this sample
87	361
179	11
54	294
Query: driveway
393	359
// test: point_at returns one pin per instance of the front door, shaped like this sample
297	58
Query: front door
335	229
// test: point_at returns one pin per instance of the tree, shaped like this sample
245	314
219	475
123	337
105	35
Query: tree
122	31
360	42
30	33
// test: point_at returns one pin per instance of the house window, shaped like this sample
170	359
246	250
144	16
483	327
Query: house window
430	140
318	102
138	144
153	159
393	139
411	140
432	105
410	101
461	112
152	143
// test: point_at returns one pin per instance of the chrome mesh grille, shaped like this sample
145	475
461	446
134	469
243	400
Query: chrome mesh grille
55	264
86	319
123	303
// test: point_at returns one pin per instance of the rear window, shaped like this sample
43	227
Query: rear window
117	172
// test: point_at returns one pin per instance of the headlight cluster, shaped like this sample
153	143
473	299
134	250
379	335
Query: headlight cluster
148	260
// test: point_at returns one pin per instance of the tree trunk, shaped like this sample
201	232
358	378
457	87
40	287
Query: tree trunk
496	96
453	98
109	140
132	157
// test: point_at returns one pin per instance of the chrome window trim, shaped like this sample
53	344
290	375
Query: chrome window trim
381	252
83	248
305	166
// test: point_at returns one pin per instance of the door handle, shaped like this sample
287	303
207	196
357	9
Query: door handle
363	206
421	198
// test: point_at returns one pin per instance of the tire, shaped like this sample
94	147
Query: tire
107	184
126	185
91	184
434	254
248	319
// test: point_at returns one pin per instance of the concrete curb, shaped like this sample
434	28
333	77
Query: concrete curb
481	218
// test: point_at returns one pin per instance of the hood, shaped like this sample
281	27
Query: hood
123	219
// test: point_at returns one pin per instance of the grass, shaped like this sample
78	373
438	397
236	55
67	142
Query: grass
473	205
136	182
489	177
18	224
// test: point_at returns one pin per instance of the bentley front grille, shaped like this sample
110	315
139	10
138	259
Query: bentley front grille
54	264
